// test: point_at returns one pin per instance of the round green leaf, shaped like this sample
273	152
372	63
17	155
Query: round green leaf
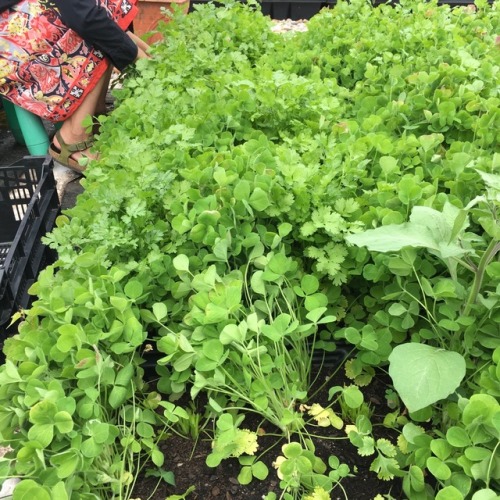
449	493
66	462
27	489
133	289
457	437
145	430
259	199
117	396
260	470
58	492
438	468
86	260
477	453
43	413
214	459
417	478
181	262
160	311
441	448
230	333
213	349
309	284
292	450
245	475
353	397
63	422
100	432
397	309
90	448
42	433
485	494
157	458
242	190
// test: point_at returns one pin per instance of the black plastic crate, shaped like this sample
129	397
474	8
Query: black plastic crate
29	205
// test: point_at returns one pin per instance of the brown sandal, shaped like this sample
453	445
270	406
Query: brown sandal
63	153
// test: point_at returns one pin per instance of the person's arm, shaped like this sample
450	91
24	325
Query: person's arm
92	23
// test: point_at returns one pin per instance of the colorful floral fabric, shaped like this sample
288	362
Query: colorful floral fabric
45	67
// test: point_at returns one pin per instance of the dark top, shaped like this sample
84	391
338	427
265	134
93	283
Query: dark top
92	23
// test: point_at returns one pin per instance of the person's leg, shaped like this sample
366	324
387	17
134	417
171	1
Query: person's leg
101	103
72	130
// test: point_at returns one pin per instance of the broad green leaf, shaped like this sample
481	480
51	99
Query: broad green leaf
292	450
28	489
389	165
427	228
133	289
43	413
120	303
86	260
485	494
257	283
393	237
449	493
91	449
118	395
458	437
215	314
242	190
245	476
99	431
63	422
423	374
66	462
353	397
416	478
315	314
145	430
438	468
157	458
181	262
231	333
309	284
260	470
124	376
213	349
397	309
42	433
133	331
58	492
441	448
259	199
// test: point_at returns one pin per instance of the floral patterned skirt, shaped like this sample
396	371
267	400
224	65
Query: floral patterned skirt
45	67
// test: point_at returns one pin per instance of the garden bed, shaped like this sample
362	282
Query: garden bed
260	201
186	458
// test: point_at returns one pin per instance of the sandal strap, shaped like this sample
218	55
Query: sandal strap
80	146
68	149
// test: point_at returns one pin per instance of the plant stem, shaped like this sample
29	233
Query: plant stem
493	455
487	257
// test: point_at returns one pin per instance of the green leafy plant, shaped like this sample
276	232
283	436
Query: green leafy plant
303	474
224	227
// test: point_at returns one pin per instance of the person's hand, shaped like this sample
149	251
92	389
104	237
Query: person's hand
142	46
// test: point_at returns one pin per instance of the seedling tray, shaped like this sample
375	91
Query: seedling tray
29	205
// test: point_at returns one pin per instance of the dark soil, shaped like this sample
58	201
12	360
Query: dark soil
186	459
